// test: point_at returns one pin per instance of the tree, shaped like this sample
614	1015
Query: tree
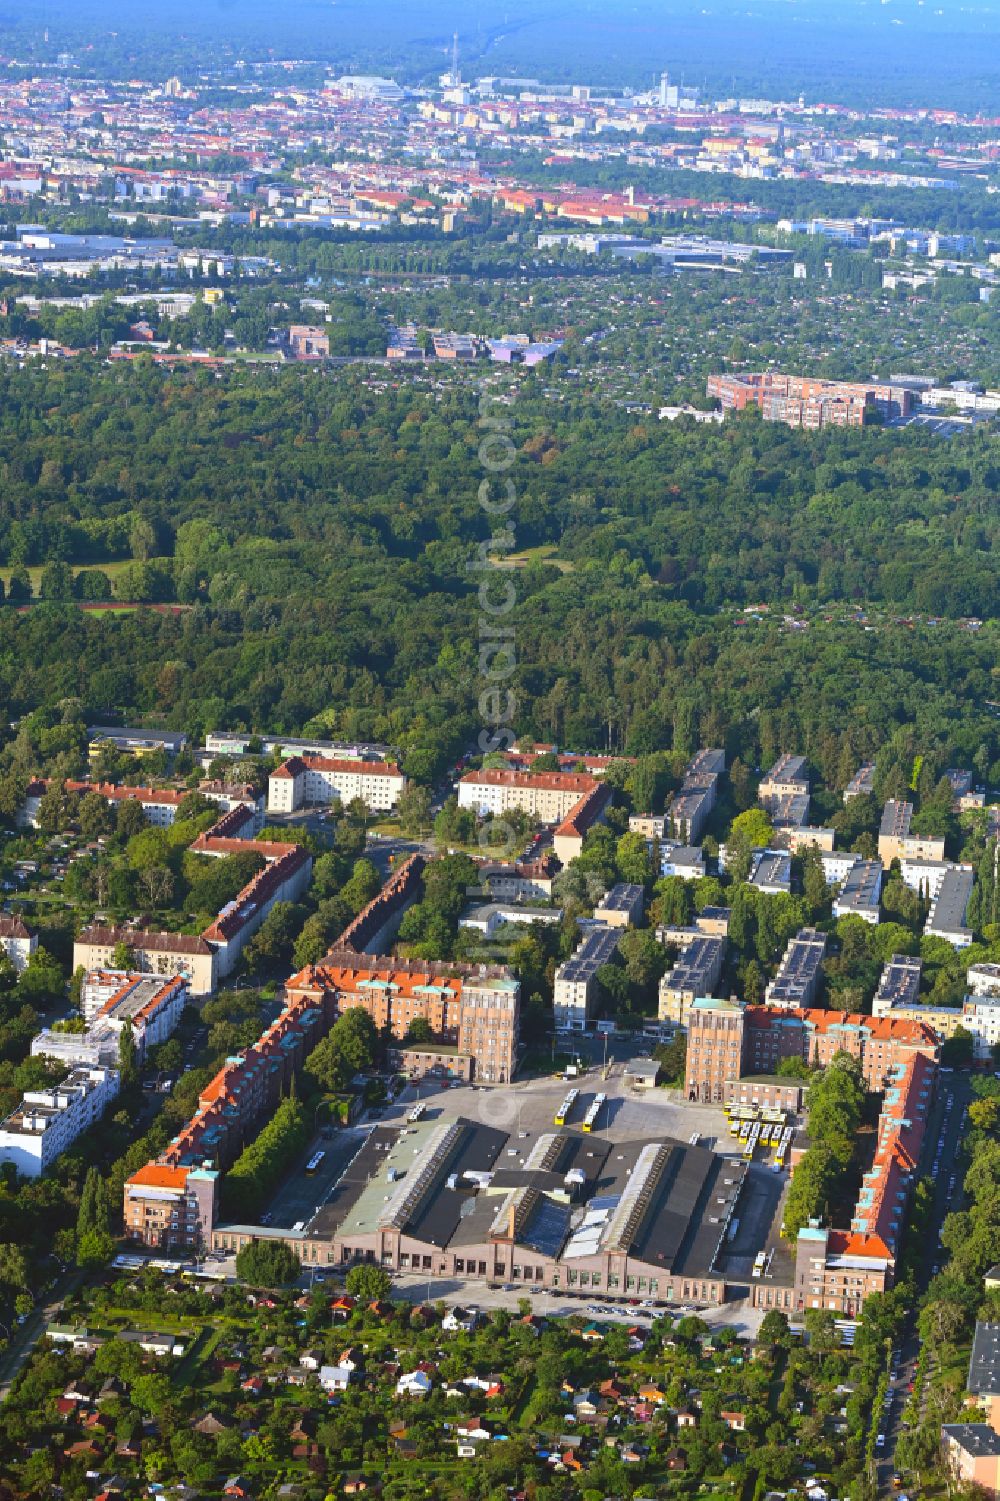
672	1057
774	1330
985	1115
123	956
633	860
19	586
367	1283
414	811
128	1063
754	827
94	1249
41	982
266	1263
419	1031
56	582
95	816
957	1050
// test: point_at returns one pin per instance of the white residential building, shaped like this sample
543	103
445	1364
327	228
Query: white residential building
319	781
47	1121
837	865
575	986
981	1017
17	940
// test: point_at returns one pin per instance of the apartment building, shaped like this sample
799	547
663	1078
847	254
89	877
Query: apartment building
163	954
17	940
788	777
949	909
547	796
47	1121
684	860
283	879
802	401
475	1008
575	989
862	784
983	979
622	906
318	781
980	1015
971	1453
899	984
863	1259
923	874
799	972
806	837
172	1201
695	973
158	803
569	835
837	865
727	1041
169	1206
692	804
895	842
771	871
860	893
150	1007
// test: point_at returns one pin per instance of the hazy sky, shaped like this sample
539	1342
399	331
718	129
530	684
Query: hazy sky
913	47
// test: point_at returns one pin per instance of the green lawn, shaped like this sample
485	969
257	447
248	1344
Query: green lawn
544	553
111	569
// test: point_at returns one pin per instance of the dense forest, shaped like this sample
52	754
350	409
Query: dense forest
307	537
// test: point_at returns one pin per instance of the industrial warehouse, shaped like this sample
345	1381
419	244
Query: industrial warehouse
559	1209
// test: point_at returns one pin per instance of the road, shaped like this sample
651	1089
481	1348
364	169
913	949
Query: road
27	1335
943	1139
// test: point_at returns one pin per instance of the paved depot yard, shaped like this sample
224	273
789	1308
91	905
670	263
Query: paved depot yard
531	1106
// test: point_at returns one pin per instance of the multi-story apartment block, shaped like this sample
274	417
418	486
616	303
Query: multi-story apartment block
684	860
947	917
548	796
771	871
696	973
788	777
573	801
727	1041
859	895
983	979
150	1007
838	1269
899	984
895	842
163	954
169	1206
319	781
17	940
862	784
837	865
923	874
801	401
622	906
47	1121
980	1015
475	1008
799	972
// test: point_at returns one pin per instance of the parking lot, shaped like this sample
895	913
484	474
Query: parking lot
531	1107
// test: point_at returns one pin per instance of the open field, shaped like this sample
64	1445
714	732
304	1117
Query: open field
111	569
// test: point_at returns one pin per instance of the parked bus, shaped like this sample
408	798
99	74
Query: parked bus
315	1163
417	1111
565	1110
591	1118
